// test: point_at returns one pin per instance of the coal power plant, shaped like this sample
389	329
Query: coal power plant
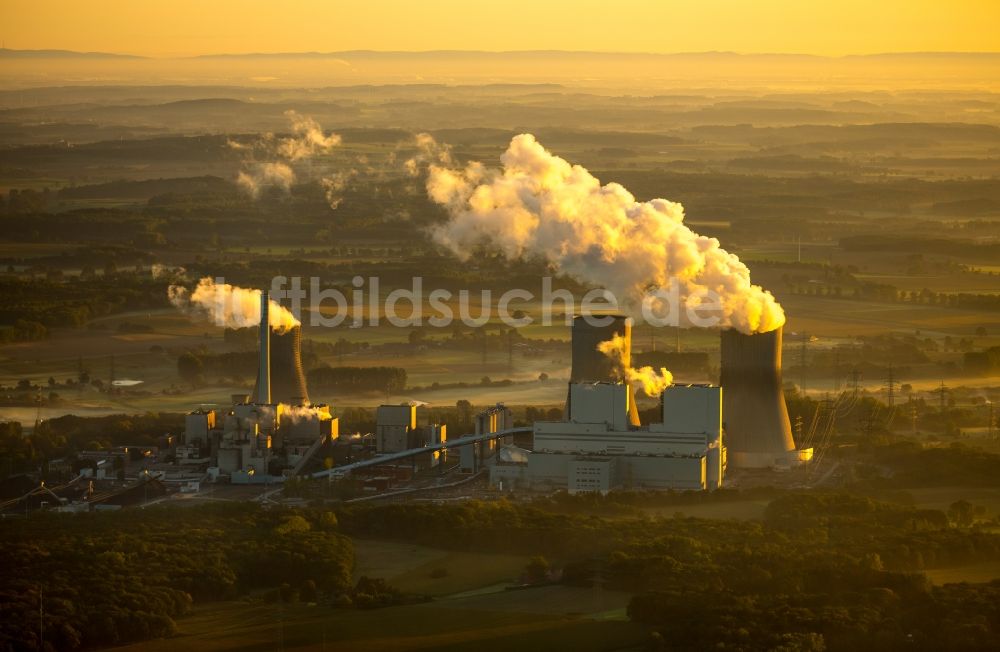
703	429
601	445
758	432
698	432
270	434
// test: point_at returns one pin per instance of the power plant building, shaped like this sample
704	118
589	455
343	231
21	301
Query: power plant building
275	423
393	427
598	450
472	457
600	446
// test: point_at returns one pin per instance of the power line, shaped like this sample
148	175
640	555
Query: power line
942	392
802	379
855	377
890	386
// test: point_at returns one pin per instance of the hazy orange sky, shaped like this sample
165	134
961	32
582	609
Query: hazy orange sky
190	27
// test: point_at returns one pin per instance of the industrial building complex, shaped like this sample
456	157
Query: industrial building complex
599	444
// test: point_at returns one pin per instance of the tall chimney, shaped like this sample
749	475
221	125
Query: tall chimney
590	365
263	391
286	378
758	432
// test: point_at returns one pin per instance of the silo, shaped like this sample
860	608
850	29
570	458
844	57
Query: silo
590	365
758	432
288	381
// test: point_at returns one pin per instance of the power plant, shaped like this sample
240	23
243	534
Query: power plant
271	433
600	445
700	430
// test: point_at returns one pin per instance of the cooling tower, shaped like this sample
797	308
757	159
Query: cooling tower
288	381
758	433
590	365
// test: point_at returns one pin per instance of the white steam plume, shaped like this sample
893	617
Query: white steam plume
649	380
274	170
308	140
229	305
299	413
539	205
429	152
334	185
258	176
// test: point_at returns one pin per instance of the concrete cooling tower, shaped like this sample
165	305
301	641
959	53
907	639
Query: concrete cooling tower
590	365
288	381
758	432
280	378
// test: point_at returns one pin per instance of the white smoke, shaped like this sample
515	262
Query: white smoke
268	160
429	152
539	205
334	186
228	305
299	413
649	380
257	176
308	140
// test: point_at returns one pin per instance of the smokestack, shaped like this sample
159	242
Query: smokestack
590	365
287	379
758	432
262	394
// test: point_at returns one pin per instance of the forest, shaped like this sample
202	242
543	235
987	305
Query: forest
103	579
820	571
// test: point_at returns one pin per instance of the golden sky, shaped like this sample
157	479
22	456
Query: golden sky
189	27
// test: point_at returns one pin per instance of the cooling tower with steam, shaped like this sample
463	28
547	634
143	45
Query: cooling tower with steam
590	365
287	381
758	432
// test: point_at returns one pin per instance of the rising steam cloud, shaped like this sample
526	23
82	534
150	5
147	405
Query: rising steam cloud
649	380
539	205
429	152
257	176
229	305
307	141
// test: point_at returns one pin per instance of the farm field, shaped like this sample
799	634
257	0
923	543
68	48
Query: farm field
411	568
545	618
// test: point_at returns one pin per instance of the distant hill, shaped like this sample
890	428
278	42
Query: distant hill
61	54
509	54
557	54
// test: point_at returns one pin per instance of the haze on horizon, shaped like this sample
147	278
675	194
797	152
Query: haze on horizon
183	28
